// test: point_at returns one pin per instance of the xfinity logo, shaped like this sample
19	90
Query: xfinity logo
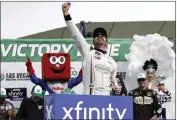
87	107
16	94
88	112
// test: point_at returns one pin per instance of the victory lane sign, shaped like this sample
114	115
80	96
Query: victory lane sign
64	106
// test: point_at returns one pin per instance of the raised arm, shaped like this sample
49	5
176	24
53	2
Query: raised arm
80	41
37	81
33	77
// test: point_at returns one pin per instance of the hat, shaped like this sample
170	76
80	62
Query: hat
99	30
161	83
150	65
3	93
37	91
141	76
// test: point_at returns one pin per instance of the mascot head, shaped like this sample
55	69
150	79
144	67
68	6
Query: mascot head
56	70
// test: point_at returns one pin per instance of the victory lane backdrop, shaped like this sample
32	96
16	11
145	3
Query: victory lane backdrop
17	50
14	53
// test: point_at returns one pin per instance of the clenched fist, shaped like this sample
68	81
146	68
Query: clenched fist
65	8
29	66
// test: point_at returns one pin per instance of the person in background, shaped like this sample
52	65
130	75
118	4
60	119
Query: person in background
32	108
7	109
145	102
164	96
157	83
150	67
123	88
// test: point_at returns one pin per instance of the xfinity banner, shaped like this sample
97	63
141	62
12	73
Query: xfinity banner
60	106
16	94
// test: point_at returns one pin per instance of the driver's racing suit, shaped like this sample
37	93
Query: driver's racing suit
99	69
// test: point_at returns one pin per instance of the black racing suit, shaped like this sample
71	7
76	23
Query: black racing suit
145	104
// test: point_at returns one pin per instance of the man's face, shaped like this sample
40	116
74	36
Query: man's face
100	39
161	86
35	98
142	83
150	74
